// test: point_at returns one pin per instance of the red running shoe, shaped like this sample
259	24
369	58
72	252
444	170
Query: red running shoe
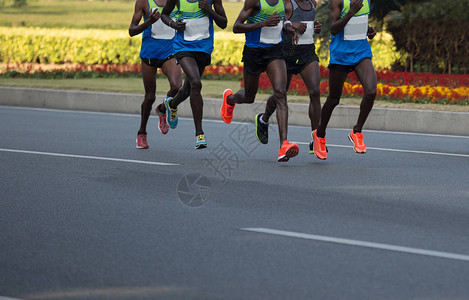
319	145
357	141
163	126
226	110
287	151
142	141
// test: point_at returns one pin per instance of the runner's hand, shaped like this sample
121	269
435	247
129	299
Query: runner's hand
317	27
300	27
179	25
205	5
273	20
355	6
292	33
371	32
154	16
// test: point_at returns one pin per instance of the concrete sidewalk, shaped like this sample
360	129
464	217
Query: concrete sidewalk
408	120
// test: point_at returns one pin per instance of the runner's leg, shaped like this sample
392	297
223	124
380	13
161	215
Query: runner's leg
173	72
336	84
248	94
311	76
149	83
367	76
271	104
193	76
277	73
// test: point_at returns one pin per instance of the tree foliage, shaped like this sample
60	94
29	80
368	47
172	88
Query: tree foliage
14	3
433	34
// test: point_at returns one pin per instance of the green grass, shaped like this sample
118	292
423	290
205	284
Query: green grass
211	88
83	14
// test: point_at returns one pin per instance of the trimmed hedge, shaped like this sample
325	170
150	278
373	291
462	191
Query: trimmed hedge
98	46
93	46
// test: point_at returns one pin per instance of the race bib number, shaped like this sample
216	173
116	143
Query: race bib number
161	31
356	28
197	29
271	35
307	37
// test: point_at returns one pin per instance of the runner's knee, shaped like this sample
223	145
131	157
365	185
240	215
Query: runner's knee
314	92
280	92
196	85
149	98
370	94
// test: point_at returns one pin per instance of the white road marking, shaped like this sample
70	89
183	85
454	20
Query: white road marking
7	298
360	243
396	150
91	157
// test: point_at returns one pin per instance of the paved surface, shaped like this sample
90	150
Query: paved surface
85	215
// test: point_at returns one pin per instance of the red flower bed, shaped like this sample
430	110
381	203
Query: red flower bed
398	86
401	86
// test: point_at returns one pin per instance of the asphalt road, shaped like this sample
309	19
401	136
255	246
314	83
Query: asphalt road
85	215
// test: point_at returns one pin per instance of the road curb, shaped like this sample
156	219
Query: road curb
388	119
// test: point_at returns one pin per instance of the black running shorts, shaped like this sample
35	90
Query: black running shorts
203	59
345	68
256	59
156	63
298	57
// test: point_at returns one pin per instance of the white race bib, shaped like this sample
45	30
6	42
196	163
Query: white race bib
356	28
307	37
161	31
197	29
271	35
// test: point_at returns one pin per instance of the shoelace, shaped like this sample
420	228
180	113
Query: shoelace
322	144
229	110
200	138
173	113
144	140
359	138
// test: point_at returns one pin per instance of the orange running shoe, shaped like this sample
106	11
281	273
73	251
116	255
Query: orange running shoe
142	141
226	109
357	141
319	145
287	151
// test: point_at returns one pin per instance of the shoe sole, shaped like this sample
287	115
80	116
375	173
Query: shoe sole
321	158
162	117
141	147
292	152
166	104
201	146
257	136
283	159
351	140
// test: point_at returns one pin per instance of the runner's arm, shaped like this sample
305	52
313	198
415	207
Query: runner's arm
371	32
289	26
141	9
250	8
337	23
218	13
166	16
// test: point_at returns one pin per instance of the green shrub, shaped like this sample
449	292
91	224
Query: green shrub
98	46
94	46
